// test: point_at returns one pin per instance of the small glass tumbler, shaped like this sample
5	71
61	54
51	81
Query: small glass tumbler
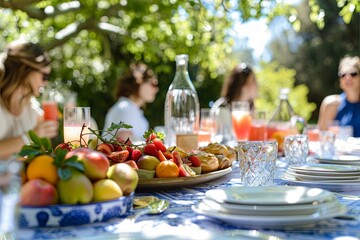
257	161
296	149
327	143
74	119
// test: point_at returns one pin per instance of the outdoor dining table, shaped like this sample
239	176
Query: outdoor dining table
179	221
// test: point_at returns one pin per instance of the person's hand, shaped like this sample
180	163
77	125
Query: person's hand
47	129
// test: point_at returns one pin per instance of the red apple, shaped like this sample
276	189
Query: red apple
37	192
96	164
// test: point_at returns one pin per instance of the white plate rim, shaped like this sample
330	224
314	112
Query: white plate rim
269	209
327	167
258	198
275	221
342	157
321	177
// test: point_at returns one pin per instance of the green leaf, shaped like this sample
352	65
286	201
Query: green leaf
72	162
64	173
115	126
46	143
34	138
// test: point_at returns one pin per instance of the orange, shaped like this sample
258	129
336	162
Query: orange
167	169
42	167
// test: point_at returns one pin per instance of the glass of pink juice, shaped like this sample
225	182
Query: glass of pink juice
241	119
258	127
50	110
74	120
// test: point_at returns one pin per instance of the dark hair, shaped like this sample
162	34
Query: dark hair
129	84
234	83
18	60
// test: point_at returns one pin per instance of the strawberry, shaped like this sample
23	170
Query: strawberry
159	144
168	155
119	156
130	149
150	149
177	159
195	160
151	137
136	154
106	148
65	146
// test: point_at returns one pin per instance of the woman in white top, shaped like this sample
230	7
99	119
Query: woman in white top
136	88
241	85
24	69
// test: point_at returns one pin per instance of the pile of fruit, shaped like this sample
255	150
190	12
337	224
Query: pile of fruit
109	169
71	176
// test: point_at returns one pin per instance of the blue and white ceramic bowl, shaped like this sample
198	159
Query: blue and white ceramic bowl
70	215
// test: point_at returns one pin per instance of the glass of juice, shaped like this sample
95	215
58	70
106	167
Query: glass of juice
241	119
206	127
74	120
50	105
258	127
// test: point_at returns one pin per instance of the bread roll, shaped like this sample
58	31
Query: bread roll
224	162
215	148
209	162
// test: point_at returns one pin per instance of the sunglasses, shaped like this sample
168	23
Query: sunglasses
352	74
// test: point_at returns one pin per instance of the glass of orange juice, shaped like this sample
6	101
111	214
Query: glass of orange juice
241	119
206	127
258	127
74	120
50	105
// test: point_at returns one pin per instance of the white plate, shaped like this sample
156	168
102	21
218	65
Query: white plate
331	186
272	221
269	195
181	181
326	168
320	173
255	210
321	179
338	162
315	177
349	158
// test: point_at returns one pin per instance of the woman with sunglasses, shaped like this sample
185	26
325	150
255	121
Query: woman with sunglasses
345	107
241	85
136	88
24	70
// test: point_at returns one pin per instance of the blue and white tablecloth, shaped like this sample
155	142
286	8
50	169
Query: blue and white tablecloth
180	222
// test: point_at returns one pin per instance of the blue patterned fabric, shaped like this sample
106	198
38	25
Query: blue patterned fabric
179	221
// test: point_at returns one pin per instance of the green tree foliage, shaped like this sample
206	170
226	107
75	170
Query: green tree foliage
317	52
271	78
92	42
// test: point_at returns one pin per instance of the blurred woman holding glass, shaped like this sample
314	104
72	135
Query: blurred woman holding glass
241	85
24	70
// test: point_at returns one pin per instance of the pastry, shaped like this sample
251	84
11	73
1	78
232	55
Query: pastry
209	162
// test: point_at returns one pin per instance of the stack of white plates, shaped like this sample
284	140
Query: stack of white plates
341	159
327	176
351	146
271	206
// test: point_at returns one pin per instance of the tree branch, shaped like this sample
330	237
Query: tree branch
70	31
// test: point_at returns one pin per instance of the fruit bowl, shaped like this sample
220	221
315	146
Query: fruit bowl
62	215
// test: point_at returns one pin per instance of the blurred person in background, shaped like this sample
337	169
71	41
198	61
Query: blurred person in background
136	88
344	107
24	70
241	85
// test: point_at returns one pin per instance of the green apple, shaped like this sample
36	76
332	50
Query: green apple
77	189
148	162
106	189
125	176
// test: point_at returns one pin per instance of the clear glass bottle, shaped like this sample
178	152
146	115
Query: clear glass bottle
182	109
279	124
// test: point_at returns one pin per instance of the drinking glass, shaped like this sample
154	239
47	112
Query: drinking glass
206	127
327	143
257	161
74	120
296	149
241	119
50	105
10	183
258	127
312	131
